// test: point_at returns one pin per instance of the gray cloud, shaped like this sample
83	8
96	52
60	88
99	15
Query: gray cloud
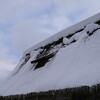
77	9
26	34
7	62
16	10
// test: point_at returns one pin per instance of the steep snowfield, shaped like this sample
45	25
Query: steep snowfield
76	64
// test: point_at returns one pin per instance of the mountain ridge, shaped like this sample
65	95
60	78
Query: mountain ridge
66	59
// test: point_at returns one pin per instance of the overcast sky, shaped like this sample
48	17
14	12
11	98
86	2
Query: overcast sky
24	23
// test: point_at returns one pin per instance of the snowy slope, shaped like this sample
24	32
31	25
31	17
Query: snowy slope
75	63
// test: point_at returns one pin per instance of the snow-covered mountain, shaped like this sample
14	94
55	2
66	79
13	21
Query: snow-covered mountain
70	58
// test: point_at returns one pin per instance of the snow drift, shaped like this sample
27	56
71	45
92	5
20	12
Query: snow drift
70	58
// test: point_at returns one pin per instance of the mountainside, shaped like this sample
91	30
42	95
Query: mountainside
70	58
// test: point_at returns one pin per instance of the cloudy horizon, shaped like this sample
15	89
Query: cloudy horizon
24	23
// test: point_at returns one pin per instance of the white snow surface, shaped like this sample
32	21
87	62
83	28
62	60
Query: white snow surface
91	27
77	64
65	41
